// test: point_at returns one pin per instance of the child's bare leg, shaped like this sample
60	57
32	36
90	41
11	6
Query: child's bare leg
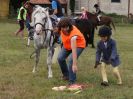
17	32
22	34
117	74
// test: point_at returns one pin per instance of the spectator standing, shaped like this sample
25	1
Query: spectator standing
21	20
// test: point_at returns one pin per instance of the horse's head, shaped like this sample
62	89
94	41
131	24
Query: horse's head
42	25
41	20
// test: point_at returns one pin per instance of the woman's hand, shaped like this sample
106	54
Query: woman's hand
74	68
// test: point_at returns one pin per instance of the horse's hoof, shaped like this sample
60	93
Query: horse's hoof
33	71
50	76
27	45
93	47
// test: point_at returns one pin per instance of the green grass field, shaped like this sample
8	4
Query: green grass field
18	82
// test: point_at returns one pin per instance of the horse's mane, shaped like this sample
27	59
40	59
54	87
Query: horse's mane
39	9
90	14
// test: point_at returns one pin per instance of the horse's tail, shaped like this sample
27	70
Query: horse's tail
113	25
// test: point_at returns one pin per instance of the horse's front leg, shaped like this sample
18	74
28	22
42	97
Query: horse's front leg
28	41
37	56
49	61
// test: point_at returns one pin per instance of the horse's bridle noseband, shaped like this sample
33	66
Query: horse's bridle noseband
43	25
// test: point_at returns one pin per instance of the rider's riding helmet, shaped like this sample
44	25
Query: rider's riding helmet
96	5
105	31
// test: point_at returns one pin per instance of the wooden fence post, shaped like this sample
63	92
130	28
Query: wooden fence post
4	8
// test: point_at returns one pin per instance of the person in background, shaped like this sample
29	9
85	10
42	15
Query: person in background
106	54
57	9
28	21
56	16
98	11
84	13
28	15
21	20
73	45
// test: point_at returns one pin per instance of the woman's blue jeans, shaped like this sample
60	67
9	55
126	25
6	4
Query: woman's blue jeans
27	23
67	69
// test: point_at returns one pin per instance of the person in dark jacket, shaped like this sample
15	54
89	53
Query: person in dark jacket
106	54
98	11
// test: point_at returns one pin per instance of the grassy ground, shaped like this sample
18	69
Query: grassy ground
18	82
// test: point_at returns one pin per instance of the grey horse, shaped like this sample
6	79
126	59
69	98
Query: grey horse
43	36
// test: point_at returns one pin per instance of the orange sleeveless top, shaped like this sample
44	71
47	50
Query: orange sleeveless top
66	39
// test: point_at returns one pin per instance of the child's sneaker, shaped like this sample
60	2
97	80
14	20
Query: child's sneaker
119	83
104	83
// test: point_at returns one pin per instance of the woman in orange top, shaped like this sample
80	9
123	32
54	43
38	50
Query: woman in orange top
73	45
